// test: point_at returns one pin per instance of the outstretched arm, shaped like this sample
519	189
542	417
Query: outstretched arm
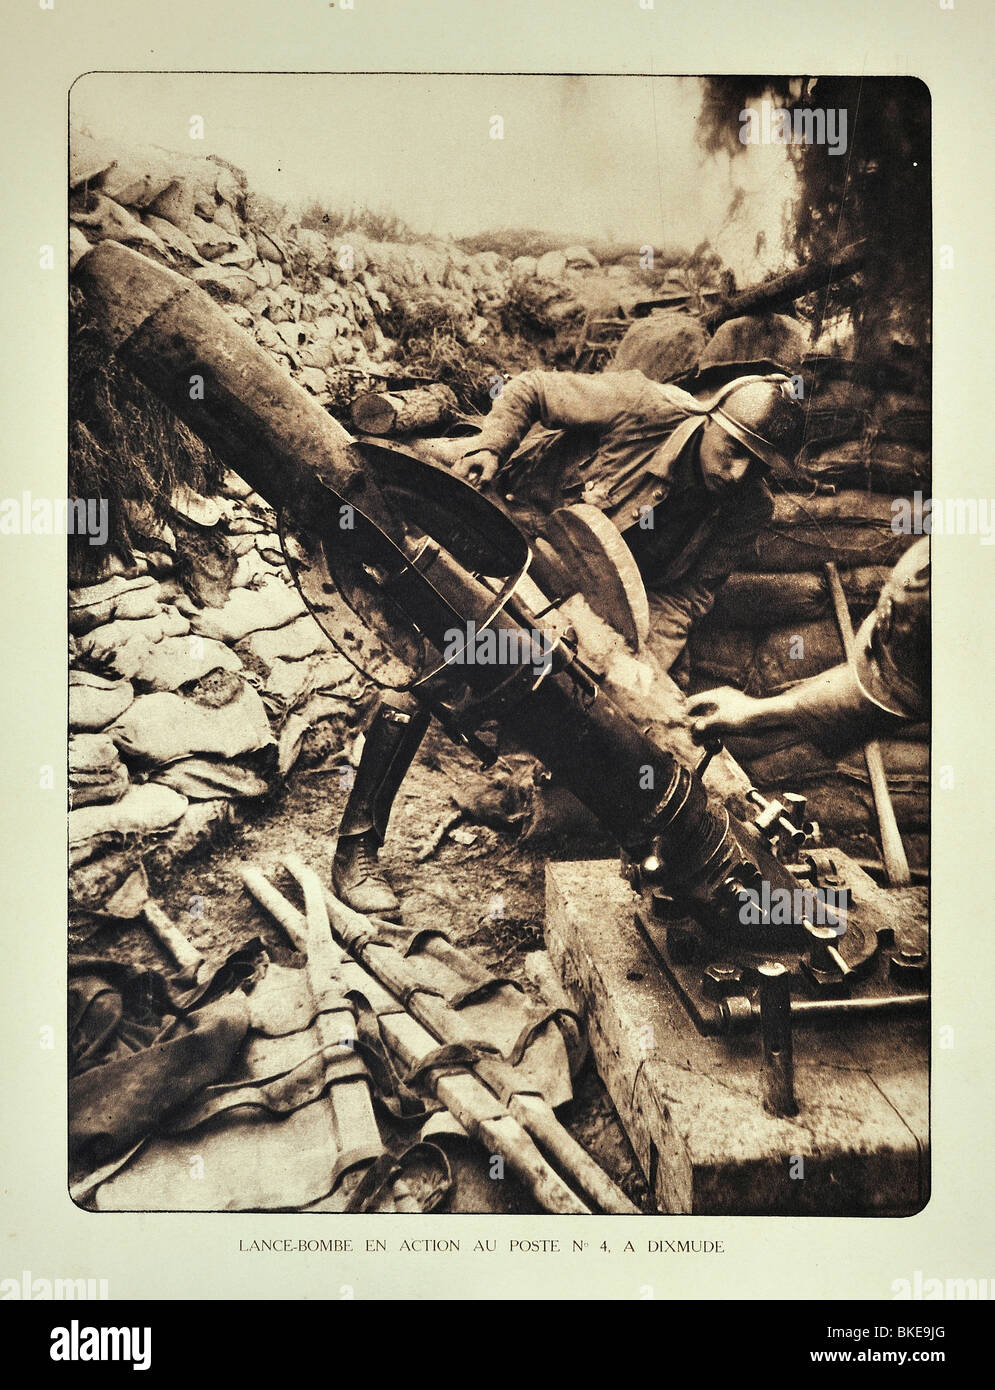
829	710
557	400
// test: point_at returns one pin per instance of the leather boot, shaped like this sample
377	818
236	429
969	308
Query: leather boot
358	879
392	740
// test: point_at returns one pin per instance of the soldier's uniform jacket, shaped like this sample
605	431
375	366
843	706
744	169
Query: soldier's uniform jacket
629	446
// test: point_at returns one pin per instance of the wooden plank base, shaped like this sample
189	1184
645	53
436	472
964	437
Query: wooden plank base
690	1104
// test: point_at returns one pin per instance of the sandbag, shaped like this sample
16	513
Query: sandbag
95	702
843	806
240	546
107	219
796	651
163	728
288	681
78	246
124	646
317	356
551	265
252	570
726	656
143	810
906	764
89	159
203	779
291	642
577	258
202	511
836	393
767	600
839	794
223	283
175	661
661	346
879	465
755	337
250	610
173	238
135	180
851	528
101	642
313	380
186	199
96	772
269	248
114	598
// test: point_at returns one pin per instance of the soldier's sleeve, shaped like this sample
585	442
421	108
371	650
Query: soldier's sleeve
888	683
679	607
557	400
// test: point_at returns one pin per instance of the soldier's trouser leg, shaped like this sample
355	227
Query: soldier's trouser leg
392	740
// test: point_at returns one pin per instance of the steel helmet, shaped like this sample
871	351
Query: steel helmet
764	415
892	657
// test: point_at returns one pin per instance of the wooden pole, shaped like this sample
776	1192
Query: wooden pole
459	1090
892	850
529	1109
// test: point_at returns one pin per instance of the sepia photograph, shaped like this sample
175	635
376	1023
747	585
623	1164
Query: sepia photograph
499	644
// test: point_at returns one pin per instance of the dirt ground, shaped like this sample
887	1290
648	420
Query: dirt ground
484	889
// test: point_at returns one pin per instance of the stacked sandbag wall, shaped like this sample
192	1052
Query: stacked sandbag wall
773	624
197	681
317	303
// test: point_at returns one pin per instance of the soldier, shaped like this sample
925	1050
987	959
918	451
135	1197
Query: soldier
683	480
887	686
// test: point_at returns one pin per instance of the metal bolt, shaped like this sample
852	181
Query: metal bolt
777	1081
909	961
823	954
720	978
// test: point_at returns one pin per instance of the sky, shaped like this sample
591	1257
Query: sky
587	156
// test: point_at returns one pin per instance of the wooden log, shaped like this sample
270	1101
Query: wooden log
851	528
889	466
783	289
400	412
